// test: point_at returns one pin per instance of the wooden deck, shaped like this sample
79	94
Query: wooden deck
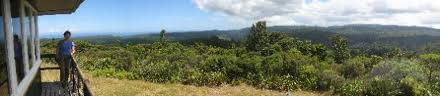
52	89
77	84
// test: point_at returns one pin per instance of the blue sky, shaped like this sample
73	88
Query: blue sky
133	16
103	16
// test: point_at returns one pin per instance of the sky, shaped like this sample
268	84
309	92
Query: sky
187	15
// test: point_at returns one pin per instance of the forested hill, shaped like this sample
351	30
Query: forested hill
359	35
304	32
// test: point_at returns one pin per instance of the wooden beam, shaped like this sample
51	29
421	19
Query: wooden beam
27	80
50	68
48	56
30	6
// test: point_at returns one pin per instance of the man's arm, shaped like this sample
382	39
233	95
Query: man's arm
73	50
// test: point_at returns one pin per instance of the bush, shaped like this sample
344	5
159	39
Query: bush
359	65
161	71
412	87
382	87
399	69
214	79
308	78
351	88
119	59
251	65
286	82
114	73
329	79
386	87
192	76
436	86
398	77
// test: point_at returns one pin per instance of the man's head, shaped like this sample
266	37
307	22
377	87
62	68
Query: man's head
67	35
16	39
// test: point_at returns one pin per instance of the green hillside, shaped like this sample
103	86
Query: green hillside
281	58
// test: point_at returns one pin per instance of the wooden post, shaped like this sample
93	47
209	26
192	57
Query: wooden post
24	38
7	24
32	33
37	36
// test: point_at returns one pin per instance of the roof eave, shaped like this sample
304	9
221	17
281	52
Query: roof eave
61	11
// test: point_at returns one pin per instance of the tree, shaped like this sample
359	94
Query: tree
162	36
257	39
340	47
395	52
275	37
432	61
431	48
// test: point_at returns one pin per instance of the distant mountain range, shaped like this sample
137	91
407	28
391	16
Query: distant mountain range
410	37
300	31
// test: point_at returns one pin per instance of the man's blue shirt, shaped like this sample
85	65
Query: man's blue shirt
66	47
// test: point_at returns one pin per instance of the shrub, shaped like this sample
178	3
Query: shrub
286	82
436	86
111	72
161	71
192	76
307	77
251	65
351	88
358	66
432	61
398	77
412	87
399	69
328	79
214	78
277	64
382	87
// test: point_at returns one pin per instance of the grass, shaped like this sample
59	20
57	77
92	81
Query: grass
106	87
49	75
102	86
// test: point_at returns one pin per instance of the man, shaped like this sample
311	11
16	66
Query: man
65	51
18	50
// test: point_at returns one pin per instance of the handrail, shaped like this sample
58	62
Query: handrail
79	85
50	68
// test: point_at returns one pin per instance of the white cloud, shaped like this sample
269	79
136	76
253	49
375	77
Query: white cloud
328	12
249	8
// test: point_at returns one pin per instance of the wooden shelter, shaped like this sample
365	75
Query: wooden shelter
20	57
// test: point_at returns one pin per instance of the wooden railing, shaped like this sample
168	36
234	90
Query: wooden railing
78	85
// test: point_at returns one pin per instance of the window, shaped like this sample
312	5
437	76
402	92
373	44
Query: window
3	67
